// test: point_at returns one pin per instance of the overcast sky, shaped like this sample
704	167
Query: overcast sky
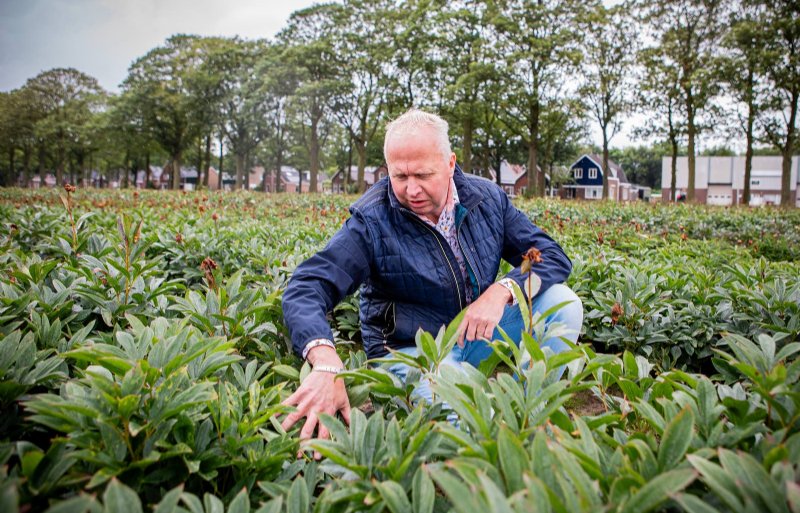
103	37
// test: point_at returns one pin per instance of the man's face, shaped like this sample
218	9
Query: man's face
419	173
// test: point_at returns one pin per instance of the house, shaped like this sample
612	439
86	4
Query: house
720	180
370	177
189	178
228	181
513	178
49	181
587	173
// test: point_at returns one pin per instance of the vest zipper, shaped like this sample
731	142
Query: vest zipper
455	278
466	255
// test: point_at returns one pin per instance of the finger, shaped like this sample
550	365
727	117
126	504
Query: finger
308	428
488	331
293	400
472	331
291	419
461	329
346	413
307	432
323	434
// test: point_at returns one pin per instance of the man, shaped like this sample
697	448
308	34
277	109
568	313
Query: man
425	244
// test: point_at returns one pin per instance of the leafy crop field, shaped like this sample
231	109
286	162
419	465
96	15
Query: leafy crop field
143	360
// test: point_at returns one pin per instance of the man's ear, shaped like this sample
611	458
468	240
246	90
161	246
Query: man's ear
452	164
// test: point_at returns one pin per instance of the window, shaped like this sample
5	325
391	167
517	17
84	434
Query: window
578	173
594	193
593	173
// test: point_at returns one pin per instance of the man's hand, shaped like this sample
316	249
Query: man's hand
483	315
319	393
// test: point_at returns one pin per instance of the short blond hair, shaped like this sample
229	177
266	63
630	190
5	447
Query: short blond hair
412	121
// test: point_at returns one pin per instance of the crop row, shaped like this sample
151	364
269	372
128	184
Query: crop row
143	360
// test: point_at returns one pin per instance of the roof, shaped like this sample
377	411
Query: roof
616	169
369	174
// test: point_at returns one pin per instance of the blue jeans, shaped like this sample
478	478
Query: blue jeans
476	351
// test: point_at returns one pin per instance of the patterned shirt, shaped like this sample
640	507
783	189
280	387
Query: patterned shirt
446	226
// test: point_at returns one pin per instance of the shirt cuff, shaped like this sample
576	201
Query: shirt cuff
316	343
509	284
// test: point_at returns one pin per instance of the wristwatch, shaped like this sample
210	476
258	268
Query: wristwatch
508	284
328	368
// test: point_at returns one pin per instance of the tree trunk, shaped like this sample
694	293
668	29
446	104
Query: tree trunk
176	171
239	171
748	155
314	154
346	177
207	162
199	161
606	170
12	176
690	132
278	166
533	178
146	170
788	147
466	164
60	167
126	170
26	166
41	164
533	153
361	149
219	176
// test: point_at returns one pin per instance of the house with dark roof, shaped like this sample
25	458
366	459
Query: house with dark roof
587	173
371	175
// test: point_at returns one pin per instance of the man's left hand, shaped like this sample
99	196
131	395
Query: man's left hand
483	315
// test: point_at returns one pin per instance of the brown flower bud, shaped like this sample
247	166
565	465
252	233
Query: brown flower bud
616	313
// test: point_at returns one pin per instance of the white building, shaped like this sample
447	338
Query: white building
720	180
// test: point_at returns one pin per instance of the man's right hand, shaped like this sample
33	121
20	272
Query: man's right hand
319	393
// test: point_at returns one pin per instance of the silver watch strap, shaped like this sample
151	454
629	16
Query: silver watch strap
328	368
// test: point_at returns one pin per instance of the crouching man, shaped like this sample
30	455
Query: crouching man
423	244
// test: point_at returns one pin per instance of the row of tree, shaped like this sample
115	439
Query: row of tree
518	80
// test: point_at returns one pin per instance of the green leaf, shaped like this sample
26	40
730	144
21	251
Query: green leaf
676	440
394	496
169	503
658	490
693	504
118	498
79	504
512	457
240	503
297	500
423	493
718	481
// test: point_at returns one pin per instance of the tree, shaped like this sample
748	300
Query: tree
311	64
660	99
19	113
610	44
161	82
365	85
538	40
782	60
231	68
689	33
467	69
744	73
68	98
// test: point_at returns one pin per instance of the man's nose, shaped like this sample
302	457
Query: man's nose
413	188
